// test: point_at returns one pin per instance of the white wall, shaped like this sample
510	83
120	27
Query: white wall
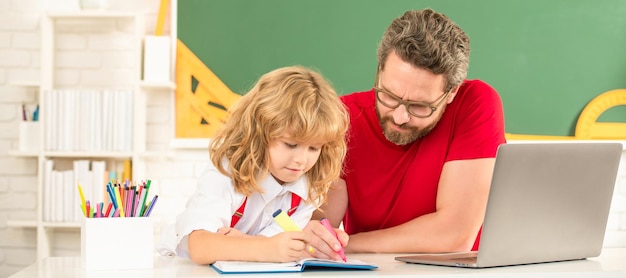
174	173
616	226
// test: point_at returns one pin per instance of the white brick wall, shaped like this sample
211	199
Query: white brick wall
174	175
19	63
616	226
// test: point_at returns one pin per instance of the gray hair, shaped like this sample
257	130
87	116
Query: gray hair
428	40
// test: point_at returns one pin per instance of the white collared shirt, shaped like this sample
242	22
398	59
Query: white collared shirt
215	201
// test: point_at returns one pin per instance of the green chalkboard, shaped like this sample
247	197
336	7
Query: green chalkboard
547	58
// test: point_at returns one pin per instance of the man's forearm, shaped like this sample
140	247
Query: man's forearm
424	234
335	206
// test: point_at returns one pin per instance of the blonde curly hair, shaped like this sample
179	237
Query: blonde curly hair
296	101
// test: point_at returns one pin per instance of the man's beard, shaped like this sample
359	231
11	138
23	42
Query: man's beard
404	138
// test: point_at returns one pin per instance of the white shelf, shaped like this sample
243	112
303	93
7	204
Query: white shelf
45	238
121	155
89	14
193	144
61	225
150	85
33	224
154	154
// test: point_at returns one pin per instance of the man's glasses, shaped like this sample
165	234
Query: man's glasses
416	108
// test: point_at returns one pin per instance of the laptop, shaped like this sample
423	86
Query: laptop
548	202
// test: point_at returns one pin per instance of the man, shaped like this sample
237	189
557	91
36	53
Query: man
421	146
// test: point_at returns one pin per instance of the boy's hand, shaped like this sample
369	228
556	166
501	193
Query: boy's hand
286	247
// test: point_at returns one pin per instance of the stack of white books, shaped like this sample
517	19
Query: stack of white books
88	120
61	200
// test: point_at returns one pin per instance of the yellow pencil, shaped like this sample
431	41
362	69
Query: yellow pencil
288	225
82	199
120	204
284	221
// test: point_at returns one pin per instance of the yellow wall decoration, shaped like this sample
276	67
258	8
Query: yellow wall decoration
202	99
587	127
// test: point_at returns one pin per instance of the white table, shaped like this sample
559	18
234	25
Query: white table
611	263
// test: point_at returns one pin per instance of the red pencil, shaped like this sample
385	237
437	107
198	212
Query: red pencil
108	210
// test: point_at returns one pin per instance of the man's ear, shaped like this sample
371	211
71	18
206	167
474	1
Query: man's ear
452	94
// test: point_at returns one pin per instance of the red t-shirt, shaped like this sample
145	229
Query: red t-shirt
389	184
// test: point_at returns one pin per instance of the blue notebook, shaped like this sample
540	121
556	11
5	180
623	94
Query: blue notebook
234	267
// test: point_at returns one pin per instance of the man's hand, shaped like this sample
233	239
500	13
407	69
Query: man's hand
324	243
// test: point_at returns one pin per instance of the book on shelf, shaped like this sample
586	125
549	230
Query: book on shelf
60	198
234	267
88	120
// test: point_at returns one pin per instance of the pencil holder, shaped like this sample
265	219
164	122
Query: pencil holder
29	136
117	243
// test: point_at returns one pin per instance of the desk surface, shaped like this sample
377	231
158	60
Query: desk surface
611	263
